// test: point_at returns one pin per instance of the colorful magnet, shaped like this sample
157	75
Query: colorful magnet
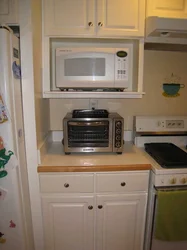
3	193
16	70
2	239
4	158
12	224
3	113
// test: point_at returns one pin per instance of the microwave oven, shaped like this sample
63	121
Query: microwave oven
94	68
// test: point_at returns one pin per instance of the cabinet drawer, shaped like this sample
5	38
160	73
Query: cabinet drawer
50	183
122	182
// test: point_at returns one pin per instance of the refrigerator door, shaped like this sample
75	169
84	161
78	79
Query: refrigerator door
13	222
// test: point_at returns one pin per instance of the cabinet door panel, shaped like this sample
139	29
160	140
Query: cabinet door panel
9	11
121	17
68	223
68	17
121	221
167	8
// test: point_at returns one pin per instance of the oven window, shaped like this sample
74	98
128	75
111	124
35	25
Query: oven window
88	134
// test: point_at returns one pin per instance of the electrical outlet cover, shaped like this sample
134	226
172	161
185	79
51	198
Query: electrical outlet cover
3	193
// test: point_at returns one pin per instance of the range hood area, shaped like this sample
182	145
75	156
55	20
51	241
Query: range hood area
162	30
166	27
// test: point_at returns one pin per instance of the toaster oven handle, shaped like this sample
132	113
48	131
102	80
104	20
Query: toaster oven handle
88	123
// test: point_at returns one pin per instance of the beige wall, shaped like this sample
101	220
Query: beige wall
158	65
41	105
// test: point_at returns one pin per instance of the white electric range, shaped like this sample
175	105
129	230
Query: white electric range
163	141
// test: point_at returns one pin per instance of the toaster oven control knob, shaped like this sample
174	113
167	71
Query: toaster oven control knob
118	137
183	180
118	131
118	124
172	181
118	144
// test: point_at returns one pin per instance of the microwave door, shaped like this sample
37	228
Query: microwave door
85	70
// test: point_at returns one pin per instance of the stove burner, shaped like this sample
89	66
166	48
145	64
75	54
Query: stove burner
167	155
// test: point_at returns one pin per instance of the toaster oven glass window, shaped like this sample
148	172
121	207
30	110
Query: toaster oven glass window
88	133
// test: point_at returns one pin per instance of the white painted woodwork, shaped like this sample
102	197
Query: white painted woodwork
9	11
64	183
167	8
115	182
68	222
68	17
120	18
120	222
82	17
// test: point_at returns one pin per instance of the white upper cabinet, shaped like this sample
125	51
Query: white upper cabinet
99	18
68	17
120	17
167	8
9	11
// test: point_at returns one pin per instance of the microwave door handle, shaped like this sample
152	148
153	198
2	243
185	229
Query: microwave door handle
88	123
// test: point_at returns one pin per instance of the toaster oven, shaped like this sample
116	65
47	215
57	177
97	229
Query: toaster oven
93	131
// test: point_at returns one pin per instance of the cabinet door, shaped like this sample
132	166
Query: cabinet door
68	17
120	222
9	11
68	222
167	8
120	17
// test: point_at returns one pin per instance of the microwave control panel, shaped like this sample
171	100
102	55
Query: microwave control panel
121	62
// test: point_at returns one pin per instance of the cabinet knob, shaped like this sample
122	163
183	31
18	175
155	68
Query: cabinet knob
66	185
123	184
100	206
90	24
90	207
100	24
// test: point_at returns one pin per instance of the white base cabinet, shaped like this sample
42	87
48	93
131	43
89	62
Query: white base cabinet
110	218
120	221
68	222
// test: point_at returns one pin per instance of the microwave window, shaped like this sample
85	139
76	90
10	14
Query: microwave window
84	67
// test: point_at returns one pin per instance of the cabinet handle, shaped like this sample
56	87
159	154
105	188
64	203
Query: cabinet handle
90	24
123	184
90	207
66	185
100	24
100	206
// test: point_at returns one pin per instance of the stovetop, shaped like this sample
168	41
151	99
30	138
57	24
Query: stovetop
168	155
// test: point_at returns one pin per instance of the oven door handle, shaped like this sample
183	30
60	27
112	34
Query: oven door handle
173	188
88	123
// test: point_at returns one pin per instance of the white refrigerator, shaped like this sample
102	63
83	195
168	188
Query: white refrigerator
13	181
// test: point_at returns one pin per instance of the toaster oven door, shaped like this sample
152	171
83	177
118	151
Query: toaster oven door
92	135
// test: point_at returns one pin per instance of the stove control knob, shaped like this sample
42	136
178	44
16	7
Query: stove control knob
183	180
173	181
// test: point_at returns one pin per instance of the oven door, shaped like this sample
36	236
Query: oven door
89	135
156	244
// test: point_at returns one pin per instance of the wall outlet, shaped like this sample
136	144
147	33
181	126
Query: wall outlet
93	104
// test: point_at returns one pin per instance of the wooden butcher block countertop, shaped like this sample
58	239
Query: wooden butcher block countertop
132	159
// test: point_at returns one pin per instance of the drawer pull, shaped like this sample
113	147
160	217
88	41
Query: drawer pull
123	184
100	206
90	207
66	185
